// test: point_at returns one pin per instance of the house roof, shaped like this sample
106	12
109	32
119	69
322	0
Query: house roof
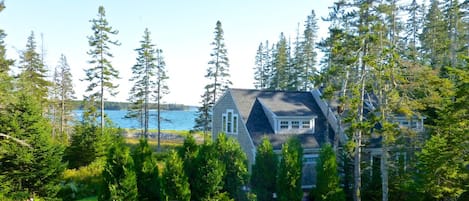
282	103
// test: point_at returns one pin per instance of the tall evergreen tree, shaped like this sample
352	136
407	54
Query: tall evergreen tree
175	181
143	73
280	67
218	70
29	170
161	89
188	154
102	73
308	52
260	74
65	92
33	75
146	170
434	37
264	172
327	180
5	64
203	121
290	172
119	180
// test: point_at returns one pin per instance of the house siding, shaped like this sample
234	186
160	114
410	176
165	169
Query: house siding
224	103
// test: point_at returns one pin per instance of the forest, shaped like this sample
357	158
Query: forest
411	57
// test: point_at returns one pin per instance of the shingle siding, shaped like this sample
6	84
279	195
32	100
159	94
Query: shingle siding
224	103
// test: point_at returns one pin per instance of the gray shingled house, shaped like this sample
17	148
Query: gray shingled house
248	115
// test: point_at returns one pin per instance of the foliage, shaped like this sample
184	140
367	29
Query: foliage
101	74
175	181
35	169
218	75
32	79
235	165
290	171
119	179
188	154
264	171
208	175
327	180
82	182
146	169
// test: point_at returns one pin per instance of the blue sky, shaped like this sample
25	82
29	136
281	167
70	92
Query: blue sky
183	29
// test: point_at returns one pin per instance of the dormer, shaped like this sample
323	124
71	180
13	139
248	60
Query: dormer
289	118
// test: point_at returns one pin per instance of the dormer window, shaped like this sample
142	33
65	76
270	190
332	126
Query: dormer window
300	125
230	122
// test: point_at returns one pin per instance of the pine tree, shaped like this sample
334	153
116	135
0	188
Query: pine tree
327	180
175	181
146	170
33	76
234	161
29	170
119	179
290	172
102	73
264	172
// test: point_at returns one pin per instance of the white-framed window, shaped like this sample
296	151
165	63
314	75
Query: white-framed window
306	124
283	124
295	124
230	122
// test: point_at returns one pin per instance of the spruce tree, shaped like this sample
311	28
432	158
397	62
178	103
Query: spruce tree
102	73
161	89
143	73
65	92
36	169
119	179
175	181
327	179
260	75
32	78
280	65
146	170
218	71
434	37
308	52
290	172
203	121
264	172
5	85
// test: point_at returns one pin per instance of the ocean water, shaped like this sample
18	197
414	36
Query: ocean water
171	120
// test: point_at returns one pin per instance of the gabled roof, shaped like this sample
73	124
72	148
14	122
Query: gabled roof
250	104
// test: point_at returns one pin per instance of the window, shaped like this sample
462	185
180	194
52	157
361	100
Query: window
295	124
305	124
229	122
283	124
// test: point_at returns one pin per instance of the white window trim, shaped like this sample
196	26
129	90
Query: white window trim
230	124
312	124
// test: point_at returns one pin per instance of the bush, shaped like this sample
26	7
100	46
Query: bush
82	182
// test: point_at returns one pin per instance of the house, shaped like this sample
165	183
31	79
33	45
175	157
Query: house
249	115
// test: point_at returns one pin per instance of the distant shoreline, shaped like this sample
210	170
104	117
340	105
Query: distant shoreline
113	105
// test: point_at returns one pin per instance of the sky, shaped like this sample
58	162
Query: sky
183	29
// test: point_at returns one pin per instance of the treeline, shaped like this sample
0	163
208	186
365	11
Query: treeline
110	105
